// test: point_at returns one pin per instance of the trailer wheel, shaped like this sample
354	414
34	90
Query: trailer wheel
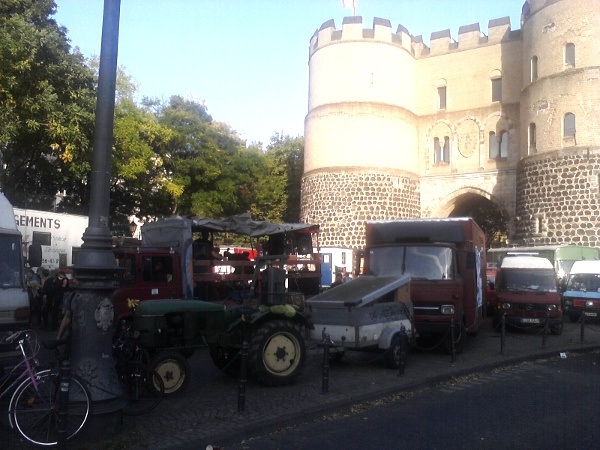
174	370
277	353
226	359
393	354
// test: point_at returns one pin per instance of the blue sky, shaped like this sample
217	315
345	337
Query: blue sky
247	60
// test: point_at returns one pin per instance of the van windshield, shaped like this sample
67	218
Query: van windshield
527	280
424	262
585	282
11	275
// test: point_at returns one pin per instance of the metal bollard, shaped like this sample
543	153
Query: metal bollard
581	333
325	383
502	333
63	403
545	334
403	351
243	379
453	340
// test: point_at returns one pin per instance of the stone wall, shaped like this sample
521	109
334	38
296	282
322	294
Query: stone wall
342	200
558	198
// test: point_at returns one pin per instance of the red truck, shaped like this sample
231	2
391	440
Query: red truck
446	262
173	261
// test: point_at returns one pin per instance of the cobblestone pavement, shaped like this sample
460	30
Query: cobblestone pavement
208	412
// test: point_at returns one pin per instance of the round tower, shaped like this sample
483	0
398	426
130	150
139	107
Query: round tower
361	130
558	176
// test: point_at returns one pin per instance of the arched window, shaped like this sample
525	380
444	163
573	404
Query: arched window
441	154
534	68
569	125
498	146
570	55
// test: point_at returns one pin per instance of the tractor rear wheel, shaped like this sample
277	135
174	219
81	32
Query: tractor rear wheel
277	353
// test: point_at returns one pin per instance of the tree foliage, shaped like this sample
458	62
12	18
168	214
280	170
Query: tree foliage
47	101
168	157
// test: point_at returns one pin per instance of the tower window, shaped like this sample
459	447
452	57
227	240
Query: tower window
569	125
534	68
532	139
570	55
497	90
441	97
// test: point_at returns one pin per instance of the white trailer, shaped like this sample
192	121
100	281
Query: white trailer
49	238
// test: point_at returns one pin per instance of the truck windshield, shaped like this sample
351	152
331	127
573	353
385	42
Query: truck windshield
425	262
11	275
527	280
586	282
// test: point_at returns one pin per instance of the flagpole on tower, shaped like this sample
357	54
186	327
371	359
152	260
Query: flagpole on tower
350	4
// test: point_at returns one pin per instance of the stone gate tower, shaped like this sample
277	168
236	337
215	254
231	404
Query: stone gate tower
396	129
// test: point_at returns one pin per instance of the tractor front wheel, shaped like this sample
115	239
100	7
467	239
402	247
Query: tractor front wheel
174	369
277	353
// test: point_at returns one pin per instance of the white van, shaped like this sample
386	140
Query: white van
581	293
14	301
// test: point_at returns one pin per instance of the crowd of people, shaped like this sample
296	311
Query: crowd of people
46	289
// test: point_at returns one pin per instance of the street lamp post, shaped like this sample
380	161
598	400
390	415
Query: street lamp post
91	307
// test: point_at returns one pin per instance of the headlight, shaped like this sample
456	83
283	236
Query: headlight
505	305
589	304
552	308
447	309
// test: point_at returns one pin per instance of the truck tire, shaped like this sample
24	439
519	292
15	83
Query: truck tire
277	353
226	359
174	371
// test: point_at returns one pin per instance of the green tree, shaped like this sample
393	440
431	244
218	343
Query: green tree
286	154
47	105
197	160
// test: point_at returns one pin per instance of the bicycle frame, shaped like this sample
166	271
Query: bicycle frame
27	369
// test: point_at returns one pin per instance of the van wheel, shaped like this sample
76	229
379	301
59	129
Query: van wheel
174	370
574	318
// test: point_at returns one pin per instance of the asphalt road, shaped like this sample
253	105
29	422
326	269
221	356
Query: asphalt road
545	404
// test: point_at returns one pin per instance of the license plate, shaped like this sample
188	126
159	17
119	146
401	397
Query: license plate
530	320
591	314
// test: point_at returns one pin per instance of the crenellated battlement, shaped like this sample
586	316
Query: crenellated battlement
441	42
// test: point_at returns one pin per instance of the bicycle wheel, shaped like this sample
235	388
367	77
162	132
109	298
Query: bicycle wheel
143	388
33	409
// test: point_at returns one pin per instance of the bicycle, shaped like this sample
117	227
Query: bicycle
142	385
34	405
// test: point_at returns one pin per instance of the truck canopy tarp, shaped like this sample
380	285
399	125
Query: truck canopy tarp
359	292
157	233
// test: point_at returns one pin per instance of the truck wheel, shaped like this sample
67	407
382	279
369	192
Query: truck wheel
277	353
174	370
226	359
393	354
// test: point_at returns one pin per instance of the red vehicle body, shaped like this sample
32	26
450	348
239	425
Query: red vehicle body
171	262
446	261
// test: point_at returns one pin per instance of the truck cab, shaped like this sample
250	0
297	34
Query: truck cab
147	274
582	290
14	300
527	294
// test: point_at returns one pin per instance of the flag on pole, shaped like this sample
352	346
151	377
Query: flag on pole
350	4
